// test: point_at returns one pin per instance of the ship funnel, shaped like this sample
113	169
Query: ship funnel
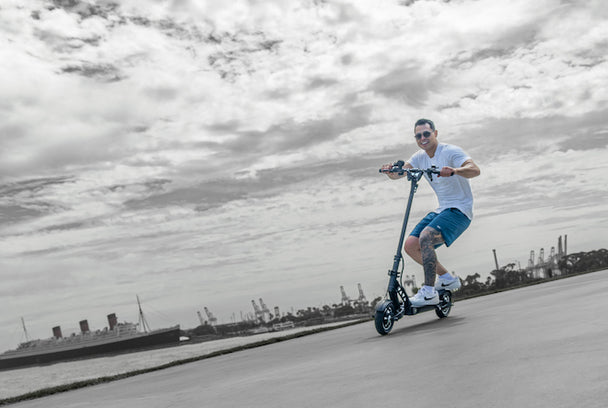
84	326
112	321
57	332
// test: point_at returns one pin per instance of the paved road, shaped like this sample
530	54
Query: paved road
540	346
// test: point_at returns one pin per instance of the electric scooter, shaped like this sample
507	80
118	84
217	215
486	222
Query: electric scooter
398	303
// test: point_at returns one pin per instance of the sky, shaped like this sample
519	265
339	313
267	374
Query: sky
206	154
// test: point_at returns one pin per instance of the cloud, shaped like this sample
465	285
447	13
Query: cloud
407	85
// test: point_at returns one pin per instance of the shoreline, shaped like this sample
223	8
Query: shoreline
276	338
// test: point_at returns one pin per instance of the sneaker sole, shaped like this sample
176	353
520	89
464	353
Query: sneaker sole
448	287
425	304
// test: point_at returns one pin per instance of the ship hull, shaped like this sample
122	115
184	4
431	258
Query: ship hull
158	338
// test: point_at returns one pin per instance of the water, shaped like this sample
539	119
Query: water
25	380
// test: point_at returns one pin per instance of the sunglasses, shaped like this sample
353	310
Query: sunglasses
426	134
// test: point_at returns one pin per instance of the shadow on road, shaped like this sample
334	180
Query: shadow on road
424	326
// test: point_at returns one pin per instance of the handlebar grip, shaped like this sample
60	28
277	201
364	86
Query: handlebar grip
434	170
397	168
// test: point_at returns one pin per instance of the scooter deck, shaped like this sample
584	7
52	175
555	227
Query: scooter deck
415	310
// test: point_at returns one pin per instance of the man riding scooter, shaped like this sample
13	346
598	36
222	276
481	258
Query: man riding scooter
450	219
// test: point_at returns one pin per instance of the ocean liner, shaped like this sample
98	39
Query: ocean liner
115	339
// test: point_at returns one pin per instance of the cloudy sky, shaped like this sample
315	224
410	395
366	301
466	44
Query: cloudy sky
203	153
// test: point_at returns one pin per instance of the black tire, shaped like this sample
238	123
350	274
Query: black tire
445	305
384	317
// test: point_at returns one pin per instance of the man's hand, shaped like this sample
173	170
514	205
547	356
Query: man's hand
386	168
447	172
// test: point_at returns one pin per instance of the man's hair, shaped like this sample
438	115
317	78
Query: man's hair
422	122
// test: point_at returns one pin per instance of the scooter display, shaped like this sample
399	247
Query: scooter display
397	304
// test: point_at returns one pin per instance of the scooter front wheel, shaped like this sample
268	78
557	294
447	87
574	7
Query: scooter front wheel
384	317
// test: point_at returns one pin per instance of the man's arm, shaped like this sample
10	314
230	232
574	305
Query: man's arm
468	170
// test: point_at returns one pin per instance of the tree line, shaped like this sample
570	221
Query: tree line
509	276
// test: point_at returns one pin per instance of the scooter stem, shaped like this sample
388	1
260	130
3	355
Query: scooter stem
413	186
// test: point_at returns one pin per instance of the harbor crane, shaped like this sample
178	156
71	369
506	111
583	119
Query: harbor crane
345	299
362	298
212	318
259	314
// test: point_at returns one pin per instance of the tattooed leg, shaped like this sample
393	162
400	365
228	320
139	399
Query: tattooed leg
412	248
428	239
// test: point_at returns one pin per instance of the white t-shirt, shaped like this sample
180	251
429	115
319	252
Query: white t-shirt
452	192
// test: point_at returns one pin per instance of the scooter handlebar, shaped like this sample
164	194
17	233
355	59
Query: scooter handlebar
411	173
398	168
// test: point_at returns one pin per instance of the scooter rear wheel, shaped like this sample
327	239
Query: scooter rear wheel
445	305
384	317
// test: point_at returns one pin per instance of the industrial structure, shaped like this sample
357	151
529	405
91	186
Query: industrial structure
259	315
362	298
410	280
261	312
212	319
347	301
265	310
540	267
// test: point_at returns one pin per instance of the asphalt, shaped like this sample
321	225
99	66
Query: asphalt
540	346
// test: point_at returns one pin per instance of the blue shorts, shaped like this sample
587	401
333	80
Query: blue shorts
451	223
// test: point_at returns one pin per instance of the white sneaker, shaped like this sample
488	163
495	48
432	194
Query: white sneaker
426	296
447	282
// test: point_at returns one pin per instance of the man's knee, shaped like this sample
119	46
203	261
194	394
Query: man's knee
430	237
412	245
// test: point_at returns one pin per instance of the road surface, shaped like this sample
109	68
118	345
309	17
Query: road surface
539	346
